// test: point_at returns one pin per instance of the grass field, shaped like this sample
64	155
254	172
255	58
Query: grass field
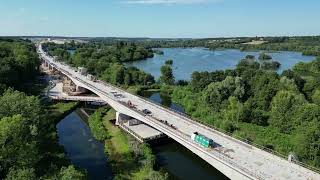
118	139
128	158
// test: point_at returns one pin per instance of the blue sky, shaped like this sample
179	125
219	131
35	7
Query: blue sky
160	18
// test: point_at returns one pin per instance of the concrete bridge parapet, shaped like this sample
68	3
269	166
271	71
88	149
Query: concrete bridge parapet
243	162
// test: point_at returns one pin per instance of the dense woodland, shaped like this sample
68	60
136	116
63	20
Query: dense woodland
308	45
28	140
18	63
106	61
280	112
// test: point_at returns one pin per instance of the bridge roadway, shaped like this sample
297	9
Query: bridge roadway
235	159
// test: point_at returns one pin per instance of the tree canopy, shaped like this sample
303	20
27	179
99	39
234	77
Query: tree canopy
280	112
29	148
166	75
106	60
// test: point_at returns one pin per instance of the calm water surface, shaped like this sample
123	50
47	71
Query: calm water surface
188	60
87	153
176	159
81	148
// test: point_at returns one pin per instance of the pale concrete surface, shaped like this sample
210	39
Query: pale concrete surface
234	158
143	130
57	94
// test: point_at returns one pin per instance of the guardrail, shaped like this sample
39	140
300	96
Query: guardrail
76	98
131	131
190	119
187	138
205	125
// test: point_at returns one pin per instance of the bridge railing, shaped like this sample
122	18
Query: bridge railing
131	131
186	137
221	131
203	124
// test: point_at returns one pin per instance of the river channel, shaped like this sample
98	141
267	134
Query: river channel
87	153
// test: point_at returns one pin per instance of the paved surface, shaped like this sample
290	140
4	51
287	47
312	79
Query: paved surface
244	158
57	93
143	130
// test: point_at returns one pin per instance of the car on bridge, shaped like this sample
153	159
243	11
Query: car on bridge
146	111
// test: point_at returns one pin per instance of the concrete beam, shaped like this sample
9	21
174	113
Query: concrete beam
120	117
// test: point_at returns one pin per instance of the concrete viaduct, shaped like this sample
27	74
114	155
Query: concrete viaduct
234	158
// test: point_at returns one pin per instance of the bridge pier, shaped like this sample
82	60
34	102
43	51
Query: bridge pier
80	89
139	130
234	158
120	118
45	63
51	67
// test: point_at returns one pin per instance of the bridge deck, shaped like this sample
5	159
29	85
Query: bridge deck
143	131
244	157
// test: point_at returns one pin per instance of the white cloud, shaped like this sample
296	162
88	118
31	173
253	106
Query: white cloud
168	2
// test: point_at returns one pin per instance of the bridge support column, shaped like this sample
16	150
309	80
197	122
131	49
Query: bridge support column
80	89
121	118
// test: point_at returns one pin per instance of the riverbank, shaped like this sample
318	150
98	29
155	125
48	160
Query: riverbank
58	110
128	158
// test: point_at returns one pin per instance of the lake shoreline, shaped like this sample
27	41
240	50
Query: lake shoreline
188	60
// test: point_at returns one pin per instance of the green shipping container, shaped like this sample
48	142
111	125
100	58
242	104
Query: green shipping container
202	141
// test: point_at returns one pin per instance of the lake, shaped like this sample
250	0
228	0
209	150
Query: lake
188	60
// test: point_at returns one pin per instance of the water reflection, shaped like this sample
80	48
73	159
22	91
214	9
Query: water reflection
176	159
188	60
81	148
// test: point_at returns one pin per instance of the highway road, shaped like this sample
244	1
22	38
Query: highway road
236	156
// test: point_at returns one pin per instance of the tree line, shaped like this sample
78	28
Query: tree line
28	140
308	45
18	63
280	112
106	61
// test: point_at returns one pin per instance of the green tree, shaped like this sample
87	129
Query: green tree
283	107
250	57
14	102
166	75
19	149
288	84
21	174
316	97
114	74
199	80
169	62
231	115
95	123
71	172
264	86
264	56
216	93
307	143
298	80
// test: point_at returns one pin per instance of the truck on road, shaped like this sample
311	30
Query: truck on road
202	140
